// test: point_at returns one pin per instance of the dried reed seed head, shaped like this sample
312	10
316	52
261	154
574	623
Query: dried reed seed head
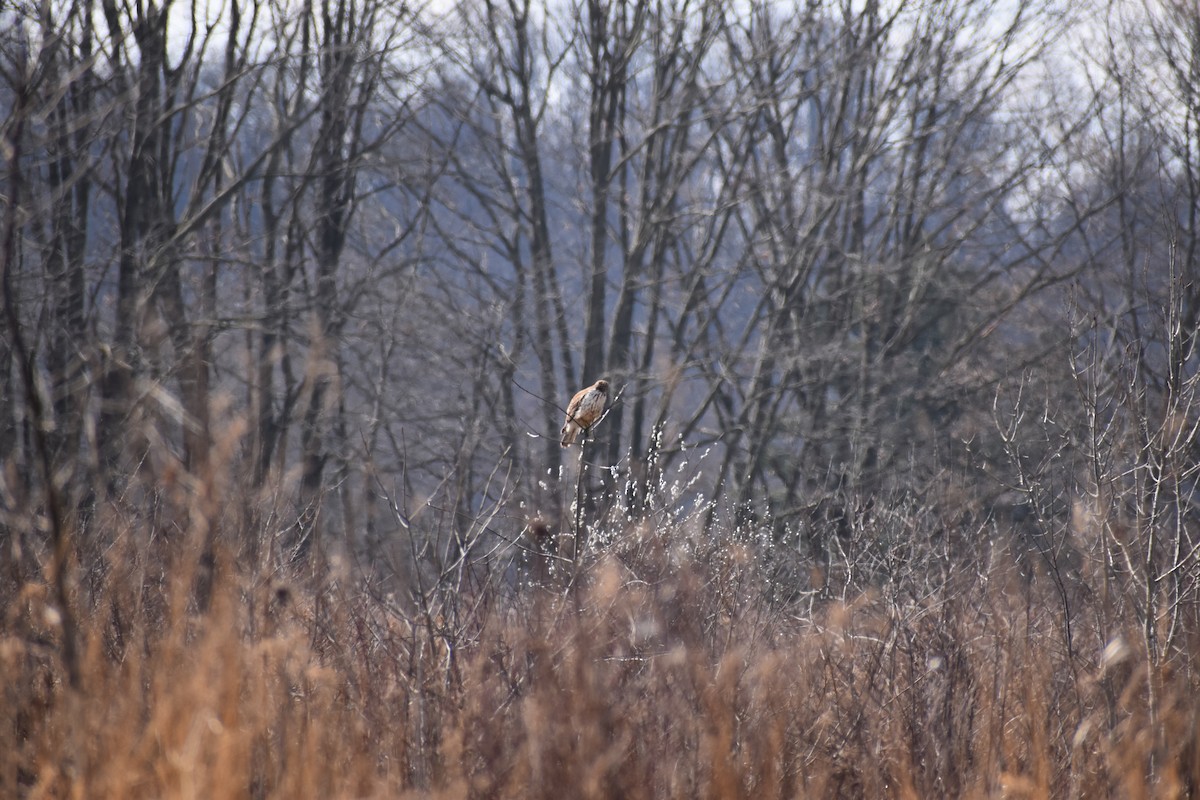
281	595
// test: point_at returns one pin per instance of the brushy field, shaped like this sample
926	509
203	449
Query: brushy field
668	670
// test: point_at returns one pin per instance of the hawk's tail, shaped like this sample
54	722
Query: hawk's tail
569	433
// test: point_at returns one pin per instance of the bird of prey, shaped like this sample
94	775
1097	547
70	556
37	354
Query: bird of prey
584	411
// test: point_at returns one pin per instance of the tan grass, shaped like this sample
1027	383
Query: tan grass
238	684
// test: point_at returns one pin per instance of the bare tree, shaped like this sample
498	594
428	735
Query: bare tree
879	169
1134	506
497	207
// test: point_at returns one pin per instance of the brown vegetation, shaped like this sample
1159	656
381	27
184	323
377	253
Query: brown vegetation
666	671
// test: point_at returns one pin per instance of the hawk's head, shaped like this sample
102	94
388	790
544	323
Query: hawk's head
602	387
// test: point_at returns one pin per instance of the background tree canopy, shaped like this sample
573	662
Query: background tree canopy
827	254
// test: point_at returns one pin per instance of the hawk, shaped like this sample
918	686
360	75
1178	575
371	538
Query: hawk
584	411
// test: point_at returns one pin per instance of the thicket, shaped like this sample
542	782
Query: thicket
664	664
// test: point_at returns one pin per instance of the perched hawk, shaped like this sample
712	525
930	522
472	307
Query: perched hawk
583	411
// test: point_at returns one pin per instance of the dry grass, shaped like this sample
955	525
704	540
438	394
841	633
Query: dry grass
665	675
